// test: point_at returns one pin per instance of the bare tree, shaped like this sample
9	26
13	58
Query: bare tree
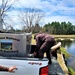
5	6
30	18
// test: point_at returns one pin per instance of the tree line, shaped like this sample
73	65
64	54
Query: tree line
58	28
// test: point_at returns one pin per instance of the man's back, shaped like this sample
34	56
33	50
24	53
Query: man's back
44	37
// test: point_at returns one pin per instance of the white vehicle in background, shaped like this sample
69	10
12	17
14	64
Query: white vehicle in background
15	50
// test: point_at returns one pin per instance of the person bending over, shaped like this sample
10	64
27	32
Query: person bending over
44	42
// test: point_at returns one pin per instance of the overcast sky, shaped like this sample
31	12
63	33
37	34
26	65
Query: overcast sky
55	10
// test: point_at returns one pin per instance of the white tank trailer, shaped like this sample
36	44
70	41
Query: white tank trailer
12	44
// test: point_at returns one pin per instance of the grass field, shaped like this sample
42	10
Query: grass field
64	36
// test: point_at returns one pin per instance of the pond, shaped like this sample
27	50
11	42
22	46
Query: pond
70	47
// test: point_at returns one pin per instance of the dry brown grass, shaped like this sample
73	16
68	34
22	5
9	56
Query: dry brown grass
33	41
64	36
62	63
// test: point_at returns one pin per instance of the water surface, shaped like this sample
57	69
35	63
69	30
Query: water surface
70	47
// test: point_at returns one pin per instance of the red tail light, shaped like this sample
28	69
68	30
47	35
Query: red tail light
44	70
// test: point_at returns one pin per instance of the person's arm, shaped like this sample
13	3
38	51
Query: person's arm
3	68
10	69
38	44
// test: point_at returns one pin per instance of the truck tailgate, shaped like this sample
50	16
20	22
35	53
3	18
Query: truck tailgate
25	66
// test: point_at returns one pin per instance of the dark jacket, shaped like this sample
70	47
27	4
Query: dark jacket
41	38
